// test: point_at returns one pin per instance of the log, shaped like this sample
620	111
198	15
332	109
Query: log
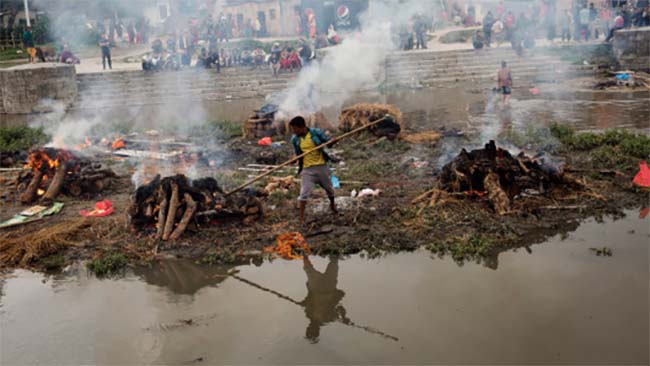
187	217
496	195
171	213
57	183
162	217
30	192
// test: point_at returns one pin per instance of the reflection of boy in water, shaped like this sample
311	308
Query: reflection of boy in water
322	301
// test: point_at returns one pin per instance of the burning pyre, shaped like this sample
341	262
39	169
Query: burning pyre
173	204
54	171
495	174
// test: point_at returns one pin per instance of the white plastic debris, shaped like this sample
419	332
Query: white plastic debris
368	192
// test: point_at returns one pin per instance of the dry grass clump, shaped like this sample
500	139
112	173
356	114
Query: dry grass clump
363	114
19	248
421	137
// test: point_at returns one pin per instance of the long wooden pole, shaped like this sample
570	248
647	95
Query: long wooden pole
293	160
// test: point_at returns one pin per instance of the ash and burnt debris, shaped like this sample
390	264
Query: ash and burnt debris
175	204
56	171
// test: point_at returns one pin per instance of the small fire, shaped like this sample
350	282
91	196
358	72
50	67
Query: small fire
40	192
40	157
118	144
86	144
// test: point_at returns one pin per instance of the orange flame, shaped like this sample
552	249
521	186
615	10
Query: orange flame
118	144
40	159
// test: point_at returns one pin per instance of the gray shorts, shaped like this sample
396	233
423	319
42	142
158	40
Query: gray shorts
313	175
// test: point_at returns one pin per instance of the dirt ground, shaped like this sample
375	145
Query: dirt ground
465	228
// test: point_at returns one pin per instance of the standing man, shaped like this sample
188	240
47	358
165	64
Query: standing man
313	167
565	24
28	43
504	82
584	23
488	21
105	45
420	32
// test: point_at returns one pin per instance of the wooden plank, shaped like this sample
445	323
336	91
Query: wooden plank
145	154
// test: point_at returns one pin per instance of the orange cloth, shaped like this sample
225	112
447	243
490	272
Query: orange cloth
642	179
102	208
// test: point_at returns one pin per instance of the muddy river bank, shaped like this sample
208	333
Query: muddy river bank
558	303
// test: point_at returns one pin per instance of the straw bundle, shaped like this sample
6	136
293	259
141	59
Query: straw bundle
362	114
421	137
17	249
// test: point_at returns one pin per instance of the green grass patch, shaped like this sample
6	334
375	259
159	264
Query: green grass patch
53	262
471	247
19	138
221	129
12	54
108	264
224	256
458	36
279	198
628	143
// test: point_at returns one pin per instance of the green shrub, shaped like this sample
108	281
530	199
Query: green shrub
20	138
108	264
637	146
564	133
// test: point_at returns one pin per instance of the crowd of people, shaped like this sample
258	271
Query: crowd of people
584	21
184	52
413	35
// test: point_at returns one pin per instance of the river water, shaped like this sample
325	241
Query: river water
559	304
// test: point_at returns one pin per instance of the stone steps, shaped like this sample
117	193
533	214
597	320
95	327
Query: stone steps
442	71
426	68
468	63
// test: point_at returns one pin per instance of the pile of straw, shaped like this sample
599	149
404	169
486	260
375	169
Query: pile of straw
362	114
421	137
18	249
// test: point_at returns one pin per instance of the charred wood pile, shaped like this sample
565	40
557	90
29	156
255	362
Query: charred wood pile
173	205
56	171
492	173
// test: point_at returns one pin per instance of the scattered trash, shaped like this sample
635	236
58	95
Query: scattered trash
644	213
335	182
642	179
102	208
604	251
21	219
420	164
354	193
34	210
625	79
286	245
266	141
368	192
534	91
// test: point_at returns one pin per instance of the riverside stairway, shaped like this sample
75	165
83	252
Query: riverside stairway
401	69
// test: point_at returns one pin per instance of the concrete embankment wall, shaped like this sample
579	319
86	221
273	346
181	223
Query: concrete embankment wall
632	48
37	88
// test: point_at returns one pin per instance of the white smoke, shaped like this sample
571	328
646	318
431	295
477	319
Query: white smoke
354	65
